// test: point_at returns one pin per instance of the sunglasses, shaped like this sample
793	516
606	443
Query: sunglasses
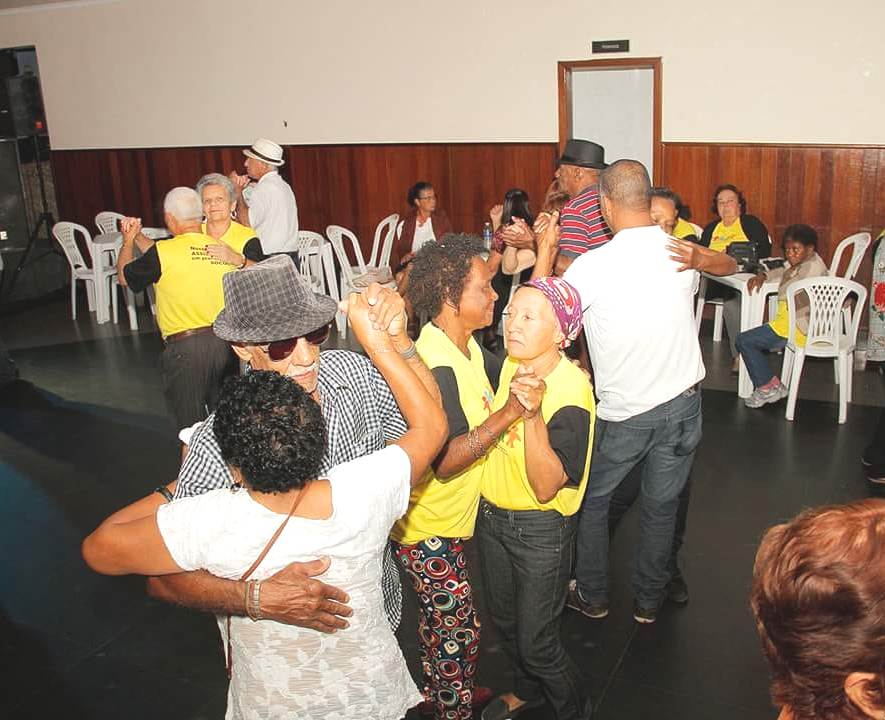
281	349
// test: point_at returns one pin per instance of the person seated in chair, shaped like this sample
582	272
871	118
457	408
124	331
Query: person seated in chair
802	261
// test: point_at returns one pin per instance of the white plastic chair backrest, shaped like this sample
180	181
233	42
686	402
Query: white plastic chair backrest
399	229
859	242
154	233
108	221
309	246
383	241
64	232
826	297
336	235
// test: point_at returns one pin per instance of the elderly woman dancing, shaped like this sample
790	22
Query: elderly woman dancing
452	284
532	488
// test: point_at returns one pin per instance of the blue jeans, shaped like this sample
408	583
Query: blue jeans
526	557
754	345
661	442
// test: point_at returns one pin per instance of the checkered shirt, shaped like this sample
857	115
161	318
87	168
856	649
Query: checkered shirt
361	417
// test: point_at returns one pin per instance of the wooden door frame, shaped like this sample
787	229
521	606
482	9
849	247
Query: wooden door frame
564	71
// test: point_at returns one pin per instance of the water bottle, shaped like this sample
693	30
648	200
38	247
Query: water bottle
487	236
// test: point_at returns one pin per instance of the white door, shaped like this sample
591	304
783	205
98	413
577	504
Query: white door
615	108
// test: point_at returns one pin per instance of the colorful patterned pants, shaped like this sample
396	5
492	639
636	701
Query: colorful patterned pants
448	628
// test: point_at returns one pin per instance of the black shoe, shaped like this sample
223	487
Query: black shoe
574	601
644	616
876	474
677	590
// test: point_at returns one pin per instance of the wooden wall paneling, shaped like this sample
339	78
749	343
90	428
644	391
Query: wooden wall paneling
838	190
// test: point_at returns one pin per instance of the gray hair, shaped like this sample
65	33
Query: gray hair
217	179
626	183
183	204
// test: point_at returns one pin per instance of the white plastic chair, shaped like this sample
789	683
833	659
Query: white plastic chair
826	336
308	245
98	275
316	263
382	245
108	221
355	277
859	242
718	306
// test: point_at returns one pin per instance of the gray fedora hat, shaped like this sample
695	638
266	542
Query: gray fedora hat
270	301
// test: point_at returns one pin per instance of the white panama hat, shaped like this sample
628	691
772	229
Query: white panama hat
267	151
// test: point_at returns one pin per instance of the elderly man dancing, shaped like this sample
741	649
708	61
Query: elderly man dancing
187	280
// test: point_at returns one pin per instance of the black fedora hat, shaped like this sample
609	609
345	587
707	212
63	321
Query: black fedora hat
584	153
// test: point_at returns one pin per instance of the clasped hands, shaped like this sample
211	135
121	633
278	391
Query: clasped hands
378	318
527	390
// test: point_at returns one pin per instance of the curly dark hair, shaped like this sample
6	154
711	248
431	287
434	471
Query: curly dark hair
439	271
270	430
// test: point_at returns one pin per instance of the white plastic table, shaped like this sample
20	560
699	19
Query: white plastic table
752	312
105	243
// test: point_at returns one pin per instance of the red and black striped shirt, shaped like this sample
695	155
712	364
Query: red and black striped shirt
582	225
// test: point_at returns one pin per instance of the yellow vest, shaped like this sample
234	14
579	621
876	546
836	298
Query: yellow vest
189	292
781	324
505	482
236	236
725	236
447	508
683	229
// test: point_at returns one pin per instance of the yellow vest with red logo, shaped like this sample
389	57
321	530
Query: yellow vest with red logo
447	508
505	482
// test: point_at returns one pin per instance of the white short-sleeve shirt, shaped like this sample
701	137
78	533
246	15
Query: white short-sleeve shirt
273	213
639	322
283	671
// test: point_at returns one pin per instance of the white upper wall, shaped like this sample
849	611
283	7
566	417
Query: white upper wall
151	73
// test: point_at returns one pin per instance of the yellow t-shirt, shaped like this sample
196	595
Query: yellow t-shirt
781	324
683	229
569	410
725	236
189	292
447	508
236	236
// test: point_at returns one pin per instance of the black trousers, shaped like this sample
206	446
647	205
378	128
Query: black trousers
192	370
875	452
624	497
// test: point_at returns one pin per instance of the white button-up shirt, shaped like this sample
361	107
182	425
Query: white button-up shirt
273	213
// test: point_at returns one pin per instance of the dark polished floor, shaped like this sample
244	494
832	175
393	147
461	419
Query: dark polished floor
86	433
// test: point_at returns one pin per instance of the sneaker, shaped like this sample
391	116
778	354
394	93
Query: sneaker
574	601
876	474
677	590
762	396
644	616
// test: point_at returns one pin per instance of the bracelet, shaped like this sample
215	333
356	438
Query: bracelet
240	267
164	491
475	444
410	353
253	600
492	436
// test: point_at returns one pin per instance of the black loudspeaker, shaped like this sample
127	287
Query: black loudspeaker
26	105
13	220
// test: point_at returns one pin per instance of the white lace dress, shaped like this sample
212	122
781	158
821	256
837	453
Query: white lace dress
282	671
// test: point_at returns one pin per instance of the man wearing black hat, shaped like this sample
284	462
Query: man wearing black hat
582	225
274	321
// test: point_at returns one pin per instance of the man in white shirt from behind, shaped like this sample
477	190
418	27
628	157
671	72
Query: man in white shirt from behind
639	321
267	204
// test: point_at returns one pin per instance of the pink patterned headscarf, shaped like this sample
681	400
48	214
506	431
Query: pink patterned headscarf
566	304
